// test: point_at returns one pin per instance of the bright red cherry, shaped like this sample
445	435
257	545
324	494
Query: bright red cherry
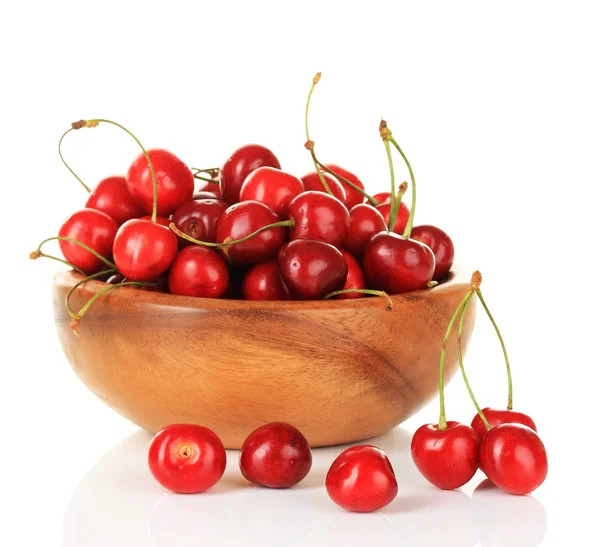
175	181
263	282
401	218
243	219
353	197
311	268
365	222
500	416
441	245
514	458
93	228
319	216
447	458
361	479
272	187
198	219
240	164
186	458
312	182
112	197
199	271
144	249
382	197
275	455
397	265
355	278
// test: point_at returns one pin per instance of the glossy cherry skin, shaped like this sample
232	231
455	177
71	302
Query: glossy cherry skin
353	197
93	228
264	282
365	222
514	458
243	219
319	216
163	221
441	245
199	271
112	197
401	217
240	164
175	181
272	187
275	455
355	278
447	458
361	479
187	459
382	197
144	249
397	265
500	416
198	219
312	182
311	268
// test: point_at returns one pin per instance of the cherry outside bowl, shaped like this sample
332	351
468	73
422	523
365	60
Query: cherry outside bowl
338	370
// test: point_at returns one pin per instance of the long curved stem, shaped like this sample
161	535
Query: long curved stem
76	242
66	164
361	291
409	224
78	284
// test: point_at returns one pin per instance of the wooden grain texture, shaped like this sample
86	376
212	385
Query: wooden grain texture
340	371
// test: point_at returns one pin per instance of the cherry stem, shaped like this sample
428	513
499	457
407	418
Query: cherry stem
213	171
442	424
38	254
281	223
393	213
409	224
508	373
95	122
66	164
362	291
462	366
78	284
205	179
76	242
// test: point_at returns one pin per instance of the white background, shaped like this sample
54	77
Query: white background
495	103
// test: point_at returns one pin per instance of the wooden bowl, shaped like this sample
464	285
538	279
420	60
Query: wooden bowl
340	371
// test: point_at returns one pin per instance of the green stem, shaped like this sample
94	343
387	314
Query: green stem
462	366
392	217
508	372
205	179
78	284
76	242
38	254
361	291
413	207
442	424
66	164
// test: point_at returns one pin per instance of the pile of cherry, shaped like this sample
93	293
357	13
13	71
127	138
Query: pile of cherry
504	444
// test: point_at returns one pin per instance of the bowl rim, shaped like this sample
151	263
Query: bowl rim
66	279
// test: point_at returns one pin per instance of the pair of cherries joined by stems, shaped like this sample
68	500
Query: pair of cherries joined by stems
503	443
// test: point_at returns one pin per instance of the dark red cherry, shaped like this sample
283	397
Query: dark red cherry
311	268
241	220
240	164
317	215
401	219
272	187
199	271
199	219
365	222
355	278
441	245
353	197
263	282
397	265
112	197
312	182
500	416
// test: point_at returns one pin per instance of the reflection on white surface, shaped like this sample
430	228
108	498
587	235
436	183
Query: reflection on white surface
118	503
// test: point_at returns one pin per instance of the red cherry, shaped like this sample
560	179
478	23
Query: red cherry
361	479
311	268
401	219
241	220
355	278
382	197
186	458
312	182
447	458
198	219
497	417
272	187
164	221
240	164
144	249
112	197
319	216
263	282
353	197
441	245
365	222
93	228
396	265
275	455
514	458
175	181
199	271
